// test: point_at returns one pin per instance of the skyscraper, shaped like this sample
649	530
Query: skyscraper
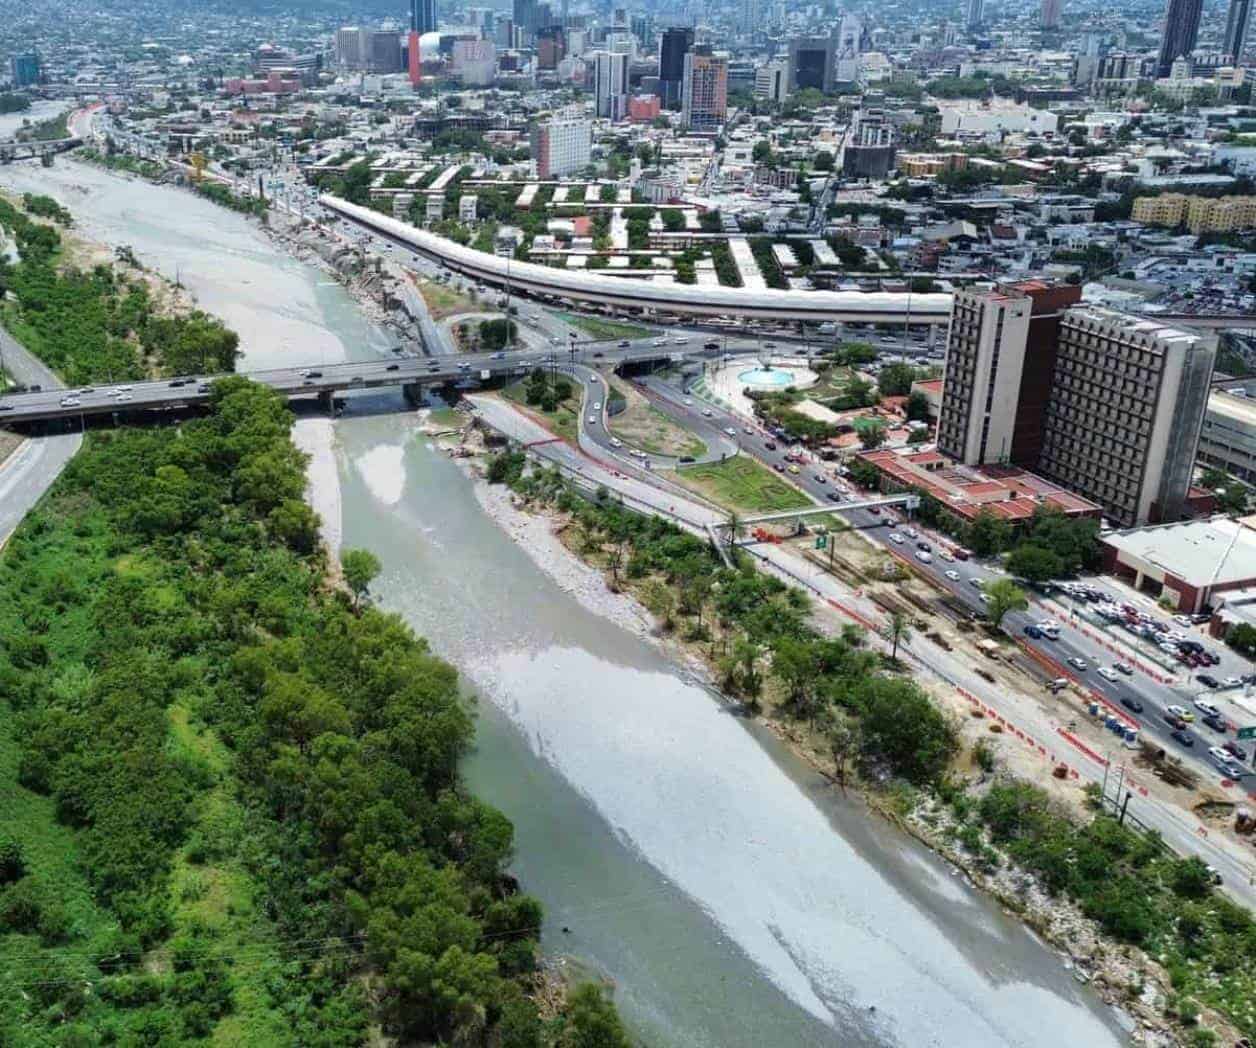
812	62
1181	27
1236	29
674	44
704	91
976	13
1051	11
610	84
24	69
423	16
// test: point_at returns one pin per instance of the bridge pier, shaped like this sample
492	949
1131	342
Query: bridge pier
413	392
327	401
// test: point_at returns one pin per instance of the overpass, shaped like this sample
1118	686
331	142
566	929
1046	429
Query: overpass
12	149
625	293
118	400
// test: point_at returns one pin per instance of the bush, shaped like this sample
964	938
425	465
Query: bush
12	860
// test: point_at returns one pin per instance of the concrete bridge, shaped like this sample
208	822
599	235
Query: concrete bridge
115	402
11	149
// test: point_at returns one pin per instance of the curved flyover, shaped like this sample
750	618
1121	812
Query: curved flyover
632	293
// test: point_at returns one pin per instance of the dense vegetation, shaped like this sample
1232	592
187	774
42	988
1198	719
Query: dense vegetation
757	634
231	806
97	325
13	102
1136	890
223	196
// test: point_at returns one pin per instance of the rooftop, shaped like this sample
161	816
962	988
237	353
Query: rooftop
1202	553
1005	491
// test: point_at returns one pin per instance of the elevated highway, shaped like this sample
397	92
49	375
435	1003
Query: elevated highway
622	293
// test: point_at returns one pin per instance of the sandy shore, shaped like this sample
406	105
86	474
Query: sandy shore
316	437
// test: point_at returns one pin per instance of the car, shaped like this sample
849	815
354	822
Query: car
176	383
953	575
1173	720
794	469
1078	663
6	407
1107	673
1207	680
204	387
660	341
911	532
833	496
1220	758
946	554
923	557
976	583
71	402
1233	682
707	413
1131	703
961	553
311	374
923	545
1206	706
499	355
1234	749
770	445
896	538
710	345
598	355
1183	620
1123	667
1050	629
1033	631
1216	722
680	340
592	420
689	401
779	467
1184	737
624	343
616	442
748	431
984	598
1182	713
820	478
730	431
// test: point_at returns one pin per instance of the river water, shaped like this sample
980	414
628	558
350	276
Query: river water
733	898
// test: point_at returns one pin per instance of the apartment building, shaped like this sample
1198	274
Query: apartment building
1104	404
1124	412
704	91
1199	214
561	145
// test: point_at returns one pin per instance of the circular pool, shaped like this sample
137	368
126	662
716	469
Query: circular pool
766	378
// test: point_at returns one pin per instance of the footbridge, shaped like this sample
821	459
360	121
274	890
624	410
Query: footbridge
645	296
12	149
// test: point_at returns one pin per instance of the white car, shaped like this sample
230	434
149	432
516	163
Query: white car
71	402
730	431
923	557
592	421
896	538
1183	620
1107	673
689	401
1207	707
1233	682
953	575
707	413
616	442
660	341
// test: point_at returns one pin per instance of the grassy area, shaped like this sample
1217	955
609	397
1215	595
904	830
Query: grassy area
644	427
444	302
743	485
447	417
563	420
599	328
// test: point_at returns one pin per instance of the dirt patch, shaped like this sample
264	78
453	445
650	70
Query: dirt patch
9	443
644	427
444	302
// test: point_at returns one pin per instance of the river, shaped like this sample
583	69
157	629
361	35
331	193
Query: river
730	894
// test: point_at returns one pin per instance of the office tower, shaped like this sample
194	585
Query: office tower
525	16
561	145
382	51
749	16
771	81
423	16
1103	403
850	35
1181	27
1051	12
351	47
976	11
812	61
24	69
610	84
674	44
704	90
1236	22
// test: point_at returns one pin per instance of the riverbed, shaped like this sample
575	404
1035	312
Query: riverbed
731	896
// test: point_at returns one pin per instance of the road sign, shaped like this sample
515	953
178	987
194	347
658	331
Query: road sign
1247	733
821	541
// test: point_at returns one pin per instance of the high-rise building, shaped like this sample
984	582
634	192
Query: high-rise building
1105	404
976	13
562	144
868	145
1236	23
351	47
812	62
475	62
24	69
525	15
1051	12
610	84
1181	28
704	91
423	16
674	44
771	81
383	51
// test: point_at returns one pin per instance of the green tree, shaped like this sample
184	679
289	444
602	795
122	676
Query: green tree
590	1021
1004	596
988	534
917	407
900	630
895	380
871	433
1034	563
360	567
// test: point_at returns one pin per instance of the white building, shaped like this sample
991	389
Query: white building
475	62
771	81
562	145
610	84
982	118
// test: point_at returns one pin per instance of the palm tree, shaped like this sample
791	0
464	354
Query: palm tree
899	631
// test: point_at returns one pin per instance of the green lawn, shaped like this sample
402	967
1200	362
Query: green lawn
743	485
564	420
599	328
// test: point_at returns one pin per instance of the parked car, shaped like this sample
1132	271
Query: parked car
1207	680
